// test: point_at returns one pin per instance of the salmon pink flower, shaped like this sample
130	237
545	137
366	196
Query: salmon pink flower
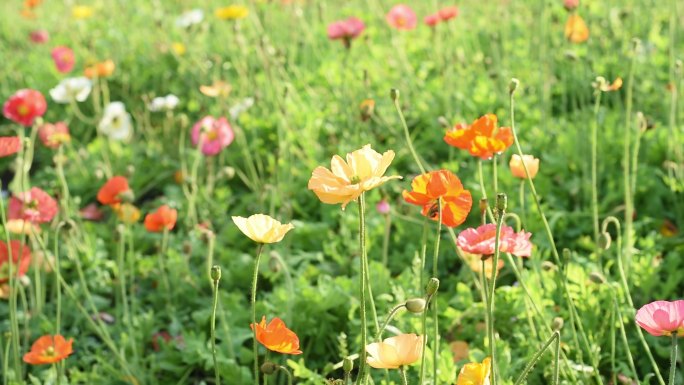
518	169
48	350
25	106
64	59
214	135
401	17
35	206
662	318
482	138
54	135
9	145
431	188
262	228
39	36
276	336
162	219
114	191
448	13
576	30
432	20
346	181
394	352
21	259
481	241
91	213
346	30
475	373
570	5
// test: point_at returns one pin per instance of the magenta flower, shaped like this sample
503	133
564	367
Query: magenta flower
39	36
662	318
383	207
346	30
401	17
64	59
35	206
481	241
213	134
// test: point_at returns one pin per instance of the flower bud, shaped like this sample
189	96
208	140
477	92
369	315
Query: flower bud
394	94
347	365
501	203
269	368
567	254
483	205
127	196
597	278
548	266
432	286
415	305
513	85
604	241
557	324
216	273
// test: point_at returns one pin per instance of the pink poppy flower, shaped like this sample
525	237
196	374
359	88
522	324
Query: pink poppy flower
91	213
448	13
39	36
346	30
35	206
214	134
481	241
53	135
383	207
401	17
432	20
64	59
9	145
25	106
519	244
662	318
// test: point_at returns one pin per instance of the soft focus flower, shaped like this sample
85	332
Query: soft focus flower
214	135
481	241
475	373
668	229
276	336
238	109
518	169
606	86
346	181
570	5
367	108
39	36
72	89
262	228
448	13
162	219
346	30
576	30
431	187
25	106
116	122
9	145
383	207
91	213
459	349
474	261
662	318
19	252
165	337
190	18
482	138
217	89
178	48
54	135
394	352
48	350
126	212
232	12
100	70
80	12
21	226
64	58
114	191
164	103
401	17
432	20
34	205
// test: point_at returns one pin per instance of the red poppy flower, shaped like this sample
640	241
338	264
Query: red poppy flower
163	218
48	350
110	193
9	145
25	106
346	30
35	206
448	13
431	20
20	267
482	138
276	336
441	185
39	36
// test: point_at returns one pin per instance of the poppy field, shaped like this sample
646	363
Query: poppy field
341	192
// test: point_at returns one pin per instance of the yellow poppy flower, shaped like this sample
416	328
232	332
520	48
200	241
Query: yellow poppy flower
80	12
475	373
262	228
232	12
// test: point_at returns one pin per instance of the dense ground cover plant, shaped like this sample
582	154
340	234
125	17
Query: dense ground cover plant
212	192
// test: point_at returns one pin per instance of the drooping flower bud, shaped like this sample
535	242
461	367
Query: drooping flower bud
269	368
557	324
415	305
604	241
597	278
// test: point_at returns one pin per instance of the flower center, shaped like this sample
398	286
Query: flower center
49	352
23	110
355	179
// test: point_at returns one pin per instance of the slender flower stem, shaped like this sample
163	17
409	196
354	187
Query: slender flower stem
162	267
362	290
424	327
402	373
435	318
409	142
495	173
594	170
391	315
673	359
623	335
386	239
287	373
492	287
254	322
629	204
215	280
555	337
14	322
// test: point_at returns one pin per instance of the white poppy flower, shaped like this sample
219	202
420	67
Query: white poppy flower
236	110
190	18
164	103
72	88
116	122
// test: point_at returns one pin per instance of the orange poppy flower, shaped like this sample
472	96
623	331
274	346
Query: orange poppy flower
163	218
48	350
576	30
100	70
482	138
111	192
428	188
276	336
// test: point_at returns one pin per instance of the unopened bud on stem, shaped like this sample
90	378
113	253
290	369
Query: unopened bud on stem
348	365
501	203
269	368
557	324
604	241
415	305
216	273
394	94
513	85
432	286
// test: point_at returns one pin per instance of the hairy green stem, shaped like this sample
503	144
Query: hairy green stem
391	315
555	337
673	359
213	328
255	346
490	302
362	291
435	318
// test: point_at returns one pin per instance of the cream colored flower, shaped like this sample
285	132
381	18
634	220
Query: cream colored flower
116	122
72	89
20	226
517	168
262	228
346	181
393	352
